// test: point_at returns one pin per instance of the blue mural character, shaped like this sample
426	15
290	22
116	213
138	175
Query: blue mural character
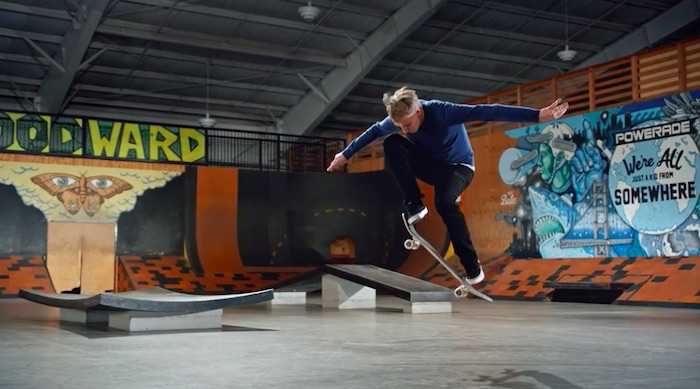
553	216
554	168
587	164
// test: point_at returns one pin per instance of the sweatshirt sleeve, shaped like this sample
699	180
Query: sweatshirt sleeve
377	130
460	113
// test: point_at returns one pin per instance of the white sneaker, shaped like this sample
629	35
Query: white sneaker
416	212
477	279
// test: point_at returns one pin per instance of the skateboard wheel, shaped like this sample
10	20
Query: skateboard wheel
460	292
411	244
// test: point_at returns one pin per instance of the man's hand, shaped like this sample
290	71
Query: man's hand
554	111
338	163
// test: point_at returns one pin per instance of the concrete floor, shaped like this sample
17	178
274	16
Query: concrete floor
517	345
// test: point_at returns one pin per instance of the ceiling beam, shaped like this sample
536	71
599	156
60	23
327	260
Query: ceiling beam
194	81
484	55
110	91
347	117
20	80
213	42
35	36
135	30
174	108
315	71
553	16
20	58
286	23
158	117
249	17
653	4
311	110
363	99
326	125
55	87
311	72
123	28
17	93
677	17
346	7
423	88
515	36
453	72
35	11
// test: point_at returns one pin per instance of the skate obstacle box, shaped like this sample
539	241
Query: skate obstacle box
150	309
295	291
356	286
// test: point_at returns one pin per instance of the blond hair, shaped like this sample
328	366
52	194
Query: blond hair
401	103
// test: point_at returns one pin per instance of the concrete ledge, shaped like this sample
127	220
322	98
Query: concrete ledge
343	294
391	282
289	298
134	321
428	307
84	317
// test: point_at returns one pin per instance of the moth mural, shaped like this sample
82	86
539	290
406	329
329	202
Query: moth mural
88	193
80	193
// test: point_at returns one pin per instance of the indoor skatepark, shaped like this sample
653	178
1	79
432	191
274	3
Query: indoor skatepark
168	220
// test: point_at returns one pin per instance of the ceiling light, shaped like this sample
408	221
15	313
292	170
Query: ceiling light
567	54
308	12
207	122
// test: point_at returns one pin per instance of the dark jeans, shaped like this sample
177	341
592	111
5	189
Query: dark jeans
407	164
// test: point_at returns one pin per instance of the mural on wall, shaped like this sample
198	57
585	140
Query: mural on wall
65	135
80	193
616	182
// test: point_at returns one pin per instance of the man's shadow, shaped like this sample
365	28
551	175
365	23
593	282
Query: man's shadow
547	379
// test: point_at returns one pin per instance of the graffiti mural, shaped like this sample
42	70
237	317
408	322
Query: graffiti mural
66	135
616	182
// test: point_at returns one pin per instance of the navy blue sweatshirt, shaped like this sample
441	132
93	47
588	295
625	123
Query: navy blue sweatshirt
442	134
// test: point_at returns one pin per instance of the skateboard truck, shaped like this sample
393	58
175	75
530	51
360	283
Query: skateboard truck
416	241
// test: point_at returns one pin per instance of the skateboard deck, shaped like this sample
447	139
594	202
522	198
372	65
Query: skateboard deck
416	241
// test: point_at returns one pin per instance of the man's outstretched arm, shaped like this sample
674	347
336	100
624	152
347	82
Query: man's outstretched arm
375	131
553	111
460	113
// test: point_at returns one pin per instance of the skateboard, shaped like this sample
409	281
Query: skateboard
416	241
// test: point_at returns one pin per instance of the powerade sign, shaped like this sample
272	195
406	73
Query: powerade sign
36	133
654	175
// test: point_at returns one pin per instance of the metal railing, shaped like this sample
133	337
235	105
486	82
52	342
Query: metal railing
69	136
272	152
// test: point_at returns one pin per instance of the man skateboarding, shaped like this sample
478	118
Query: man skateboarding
427	140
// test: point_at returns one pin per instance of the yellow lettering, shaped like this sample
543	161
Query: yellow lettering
47	119
102	146
131	131
187	136
162	139
8	140
79	151
66	136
